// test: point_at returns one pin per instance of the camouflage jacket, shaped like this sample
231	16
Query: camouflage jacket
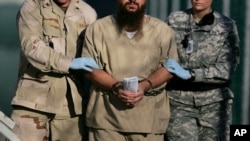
213	56
48	38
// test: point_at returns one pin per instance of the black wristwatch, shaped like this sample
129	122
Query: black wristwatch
192	73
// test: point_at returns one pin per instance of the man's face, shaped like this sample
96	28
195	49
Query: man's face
131	5
201	5
62	3
130	13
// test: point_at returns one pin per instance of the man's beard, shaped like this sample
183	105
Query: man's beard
132	20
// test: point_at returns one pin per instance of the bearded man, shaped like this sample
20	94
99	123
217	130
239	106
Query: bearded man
128	44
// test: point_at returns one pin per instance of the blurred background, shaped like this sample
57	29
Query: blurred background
237	10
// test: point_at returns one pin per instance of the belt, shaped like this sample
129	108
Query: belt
195	86
154	92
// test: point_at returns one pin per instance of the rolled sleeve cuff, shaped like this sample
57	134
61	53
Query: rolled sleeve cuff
64	64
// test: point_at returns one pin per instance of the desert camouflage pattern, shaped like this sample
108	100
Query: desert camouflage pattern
38	126
214	59
48	39
46	92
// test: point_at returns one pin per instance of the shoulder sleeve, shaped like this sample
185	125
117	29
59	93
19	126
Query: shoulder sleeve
38	53
168	43
90	13
89	46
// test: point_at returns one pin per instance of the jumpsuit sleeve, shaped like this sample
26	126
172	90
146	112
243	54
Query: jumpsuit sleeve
169	46
89	47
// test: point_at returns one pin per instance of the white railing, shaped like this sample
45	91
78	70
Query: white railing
6	126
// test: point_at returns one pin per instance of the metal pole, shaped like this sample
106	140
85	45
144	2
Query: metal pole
175	5
153	8
246	72
163	13
226	7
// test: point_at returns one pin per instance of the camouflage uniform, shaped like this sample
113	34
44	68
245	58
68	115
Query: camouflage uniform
201	108
46	90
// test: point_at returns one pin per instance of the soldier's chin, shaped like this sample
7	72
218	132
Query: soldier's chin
63	3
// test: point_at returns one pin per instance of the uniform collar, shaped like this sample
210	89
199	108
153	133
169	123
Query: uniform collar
208	19
206	23
74	7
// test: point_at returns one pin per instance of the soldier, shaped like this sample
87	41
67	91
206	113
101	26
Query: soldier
128	44
47	105
200	97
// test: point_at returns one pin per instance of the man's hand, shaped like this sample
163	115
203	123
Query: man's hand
130	98
84	63
176	69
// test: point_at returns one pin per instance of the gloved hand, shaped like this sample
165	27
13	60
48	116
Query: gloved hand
175	68
84	63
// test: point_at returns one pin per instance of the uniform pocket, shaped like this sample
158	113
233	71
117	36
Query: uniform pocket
51	27
30	86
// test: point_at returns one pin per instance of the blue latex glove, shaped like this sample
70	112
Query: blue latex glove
84	63
175	68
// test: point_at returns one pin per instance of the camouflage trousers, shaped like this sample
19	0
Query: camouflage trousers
203	123
38	126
